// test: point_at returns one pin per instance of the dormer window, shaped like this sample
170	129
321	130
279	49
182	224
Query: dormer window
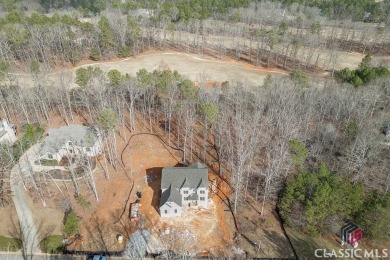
185	191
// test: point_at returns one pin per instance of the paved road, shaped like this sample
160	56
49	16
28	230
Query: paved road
24	169
26	222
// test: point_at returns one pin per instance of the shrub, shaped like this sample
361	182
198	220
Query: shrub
124	51
83	76
71	223
299	78
83	202
52	244
209	112
188	89
9	244
95	54
115	78
49	162
351	128
298	152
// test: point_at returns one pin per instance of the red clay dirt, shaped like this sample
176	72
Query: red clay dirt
108	217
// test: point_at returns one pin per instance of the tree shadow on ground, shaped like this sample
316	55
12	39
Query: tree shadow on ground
154	181
98	233
280	244
304	245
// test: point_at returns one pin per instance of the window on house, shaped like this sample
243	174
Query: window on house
175	210
70	143
88	149
50	156
185	192
185	198
201	198
166	211
202	192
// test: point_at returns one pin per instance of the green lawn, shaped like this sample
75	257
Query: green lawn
9	244
45	162
52	244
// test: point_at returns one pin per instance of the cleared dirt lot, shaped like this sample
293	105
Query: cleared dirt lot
197	230
195	67
199	68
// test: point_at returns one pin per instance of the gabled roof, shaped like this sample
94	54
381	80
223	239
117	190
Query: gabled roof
194	176
193	196
171	195
79	135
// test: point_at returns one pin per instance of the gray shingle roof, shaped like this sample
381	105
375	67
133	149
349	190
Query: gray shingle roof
170	195
193	196
198	165
84	136
194	176
174	178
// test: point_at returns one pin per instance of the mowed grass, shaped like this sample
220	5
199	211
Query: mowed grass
52	244
9	244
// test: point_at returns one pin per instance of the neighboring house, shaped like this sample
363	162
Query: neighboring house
71	140
7	132
183	187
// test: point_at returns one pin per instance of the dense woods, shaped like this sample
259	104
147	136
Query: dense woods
360	10
364	74
316	150
263	33
261	134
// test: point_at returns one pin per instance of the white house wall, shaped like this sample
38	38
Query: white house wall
168	210
171	206
199	202
203	203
